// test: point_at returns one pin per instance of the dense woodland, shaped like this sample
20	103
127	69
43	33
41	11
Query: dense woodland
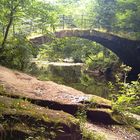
21	20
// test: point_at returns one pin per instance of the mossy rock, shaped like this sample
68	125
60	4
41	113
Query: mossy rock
98	109
133	120
97	102
102	115
22	120
54	96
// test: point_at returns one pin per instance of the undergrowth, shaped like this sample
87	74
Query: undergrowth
86	133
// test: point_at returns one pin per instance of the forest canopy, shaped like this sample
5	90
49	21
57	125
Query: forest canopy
21	19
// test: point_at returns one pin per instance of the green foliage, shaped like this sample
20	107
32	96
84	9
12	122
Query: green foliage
41	16
86	133
115	16
100	60
81	114
53	51
92	85
126	96
128	12
103	13
20	104
90	135
17	53
18	19
79	50
96	58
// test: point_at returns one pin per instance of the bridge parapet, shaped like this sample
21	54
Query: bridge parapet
101	34
82	33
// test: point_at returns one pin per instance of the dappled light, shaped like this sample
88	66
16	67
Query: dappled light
69	70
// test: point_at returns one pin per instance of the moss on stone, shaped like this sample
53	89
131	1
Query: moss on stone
100	100
21	116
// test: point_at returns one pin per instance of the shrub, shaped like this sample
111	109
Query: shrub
126	96
17	53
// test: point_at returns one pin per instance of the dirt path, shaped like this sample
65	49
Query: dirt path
113	132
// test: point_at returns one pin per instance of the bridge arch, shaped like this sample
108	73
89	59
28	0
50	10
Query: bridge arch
127	50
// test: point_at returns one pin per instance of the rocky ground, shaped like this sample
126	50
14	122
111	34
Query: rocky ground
22	94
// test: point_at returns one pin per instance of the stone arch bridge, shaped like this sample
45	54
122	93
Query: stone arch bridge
127	50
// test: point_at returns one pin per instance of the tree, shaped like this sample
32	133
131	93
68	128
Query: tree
18	13
128	15
42	15
21	12
10	9
80	50
103	13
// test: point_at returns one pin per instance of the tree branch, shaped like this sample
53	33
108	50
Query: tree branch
11	17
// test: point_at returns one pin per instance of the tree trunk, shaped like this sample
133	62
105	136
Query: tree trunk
7	30
11	17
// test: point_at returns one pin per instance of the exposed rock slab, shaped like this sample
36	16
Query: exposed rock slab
24	85
55	96
20	119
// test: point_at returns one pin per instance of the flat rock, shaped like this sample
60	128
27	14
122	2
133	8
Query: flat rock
55	96
21	84
20	120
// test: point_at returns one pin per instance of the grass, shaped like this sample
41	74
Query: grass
86	133
90	135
